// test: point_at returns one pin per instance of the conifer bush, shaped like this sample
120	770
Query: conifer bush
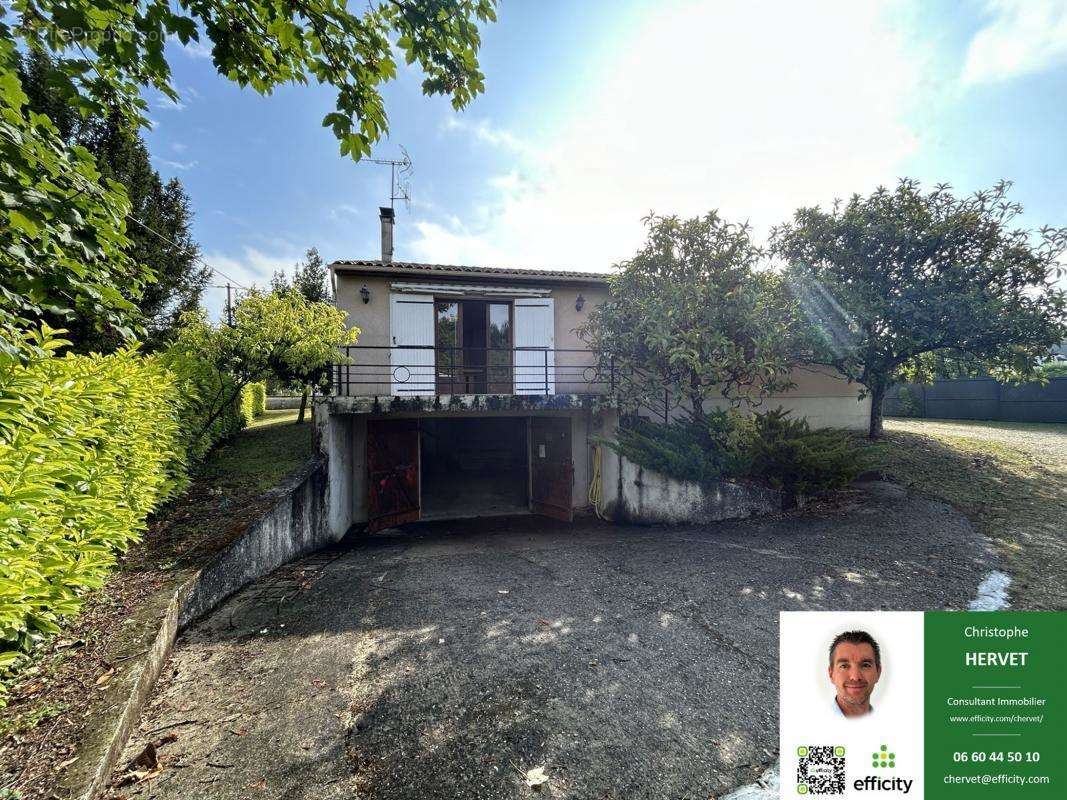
767	448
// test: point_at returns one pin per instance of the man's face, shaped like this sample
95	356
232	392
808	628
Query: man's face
854	673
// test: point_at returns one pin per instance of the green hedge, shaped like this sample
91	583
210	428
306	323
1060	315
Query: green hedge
201	387
767	448
259	399
89	446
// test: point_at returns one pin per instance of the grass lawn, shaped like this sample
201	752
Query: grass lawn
1010	479
55	703
265	452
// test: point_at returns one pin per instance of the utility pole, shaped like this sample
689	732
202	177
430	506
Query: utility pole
229	304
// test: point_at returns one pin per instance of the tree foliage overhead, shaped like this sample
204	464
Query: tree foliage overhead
62	232
63	245
158	224
106	54
891	279
691	314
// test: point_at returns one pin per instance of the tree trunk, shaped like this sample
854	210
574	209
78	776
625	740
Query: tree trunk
874	430
303	406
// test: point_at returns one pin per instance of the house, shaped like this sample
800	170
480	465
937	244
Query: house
469	393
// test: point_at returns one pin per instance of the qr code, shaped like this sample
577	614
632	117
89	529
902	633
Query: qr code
821	769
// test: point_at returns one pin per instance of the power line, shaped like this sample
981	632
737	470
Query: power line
197	258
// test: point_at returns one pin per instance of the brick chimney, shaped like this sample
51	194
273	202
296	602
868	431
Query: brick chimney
387	216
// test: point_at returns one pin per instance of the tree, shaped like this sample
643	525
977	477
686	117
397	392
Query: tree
273	335
61	227
890	279
168	249
691	315
309	280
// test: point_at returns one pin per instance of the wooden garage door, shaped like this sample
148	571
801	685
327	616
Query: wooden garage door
551	468
393	464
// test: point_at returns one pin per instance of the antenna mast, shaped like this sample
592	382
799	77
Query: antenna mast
399	177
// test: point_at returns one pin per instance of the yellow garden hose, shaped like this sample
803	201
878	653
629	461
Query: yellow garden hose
595	492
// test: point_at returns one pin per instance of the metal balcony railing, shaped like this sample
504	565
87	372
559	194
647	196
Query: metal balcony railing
429	370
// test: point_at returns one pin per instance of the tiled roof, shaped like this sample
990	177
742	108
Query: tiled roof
455	269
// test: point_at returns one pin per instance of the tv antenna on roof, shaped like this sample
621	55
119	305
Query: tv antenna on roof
399	177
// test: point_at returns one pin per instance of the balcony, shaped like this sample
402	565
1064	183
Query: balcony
427	371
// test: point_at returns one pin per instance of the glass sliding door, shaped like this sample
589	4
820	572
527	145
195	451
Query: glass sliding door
499	348
447	347
474	347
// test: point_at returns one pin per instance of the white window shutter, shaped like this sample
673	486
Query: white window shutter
535	337
411	328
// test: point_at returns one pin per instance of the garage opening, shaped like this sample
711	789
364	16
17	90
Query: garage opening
474	467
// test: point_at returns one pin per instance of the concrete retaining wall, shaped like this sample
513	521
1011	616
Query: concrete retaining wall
647	497
296	524
275	403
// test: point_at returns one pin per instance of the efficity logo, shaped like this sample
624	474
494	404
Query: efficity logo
883	759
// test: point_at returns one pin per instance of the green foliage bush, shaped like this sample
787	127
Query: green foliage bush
251	402
259	399
908	403
790	456
246	404
686	449
203	387
89	446
1054	369
766	447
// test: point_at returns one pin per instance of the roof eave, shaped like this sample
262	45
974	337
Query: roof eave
443	271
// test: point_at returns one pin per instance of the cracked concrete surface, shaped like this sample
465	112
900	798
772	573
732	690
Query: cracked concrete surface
448	659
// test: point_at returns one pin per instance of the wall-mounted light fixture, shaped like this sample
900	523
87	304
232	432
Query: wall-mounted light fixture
365	294
579	302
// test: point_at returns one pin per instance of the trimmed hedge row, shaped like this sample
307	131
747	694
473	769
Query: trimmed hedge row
89	447
253	401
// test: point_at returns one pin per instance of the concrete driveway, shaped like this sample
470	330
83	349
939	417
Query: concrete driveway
447	660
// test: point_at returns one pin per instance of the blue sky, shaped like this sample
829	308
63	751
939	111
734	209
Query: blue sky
596	113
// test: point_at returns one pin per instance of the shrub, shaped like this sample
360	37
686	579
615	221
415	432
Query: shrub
246	404
767	447
202	388
89	446
1055	369
686	449
909	404
790	456
259	399
252	402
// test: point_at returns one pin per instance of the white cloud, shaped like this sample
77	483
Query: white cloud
193	48
181	166
1023	36
179	147
344	211
485	132
162	103
705	105
250	268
